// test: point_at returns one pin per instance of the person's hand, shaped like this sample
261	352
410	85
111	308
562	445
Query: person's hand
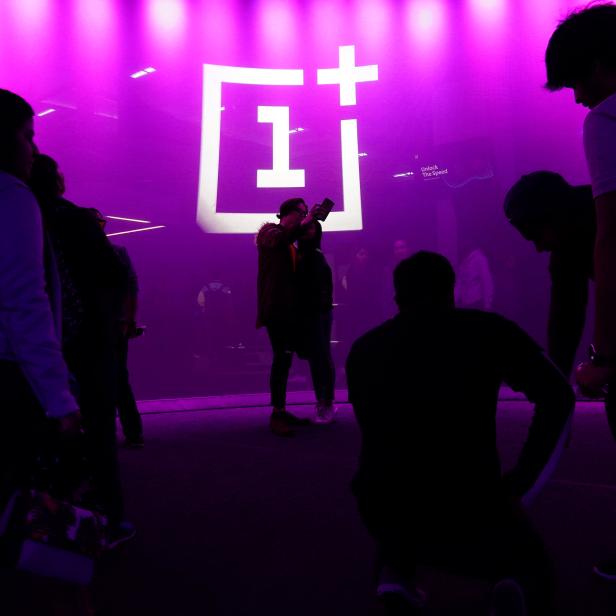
315	212
70	425
592	379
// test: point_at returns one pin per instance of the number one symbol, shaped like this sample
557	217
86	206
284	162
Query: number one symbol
279	176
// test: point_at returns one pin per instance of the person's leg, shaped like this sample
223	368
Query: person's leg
130	419
23	429
501	545
392	528
322	366
610	406
281	422
94	364
281	364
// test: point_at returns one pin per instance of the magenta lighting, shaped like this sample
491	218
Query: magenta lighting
143	73
135	230
44	113
147	222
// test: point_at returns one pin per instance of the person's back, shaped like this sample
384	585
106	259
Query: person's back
433	424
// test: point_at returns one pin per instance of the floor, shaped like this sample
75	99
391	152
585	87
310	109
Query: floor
233	521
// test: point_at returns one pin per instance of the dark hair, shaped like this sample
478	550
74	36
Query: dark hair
44	177
424	280
538	199
14	112
290	205
586	37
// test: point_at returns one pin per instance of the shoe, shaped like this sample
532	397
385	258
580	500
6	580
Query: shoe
136	442
606	569
295	421
325	413
123	532
508	599
280	425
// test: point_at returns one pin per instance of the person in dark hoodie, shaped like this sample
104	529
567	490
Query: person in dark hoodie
315	289
92	282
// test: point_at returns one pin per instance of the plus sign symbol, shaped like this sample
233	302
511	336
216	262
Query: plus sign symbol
346	76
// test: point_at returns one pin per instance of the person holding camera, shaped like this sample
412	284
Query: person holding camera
277	300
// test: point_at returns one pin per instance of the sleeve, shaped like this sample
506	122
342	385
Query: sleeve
567	316
600	149
528	370
25	310
273	236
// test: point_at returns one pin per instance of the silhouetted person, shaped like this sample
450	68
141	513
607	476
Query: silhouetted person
128	412
560	219
424	387
581	55
34	379
315	305
92	272
277	305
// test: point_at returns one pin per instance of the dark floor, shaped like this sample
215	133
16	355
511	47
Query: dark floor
233	521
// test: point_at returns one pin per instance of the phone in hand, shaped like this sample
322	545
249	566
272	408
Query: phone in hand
324	209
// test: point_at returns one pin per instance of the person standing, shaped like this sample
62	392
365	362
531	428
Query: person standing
581	55
94	277
277	305
316	304
34	379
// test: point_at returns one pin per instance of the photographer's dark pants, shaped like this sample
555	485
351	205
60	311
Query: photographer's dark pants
280	335
497	542
132	426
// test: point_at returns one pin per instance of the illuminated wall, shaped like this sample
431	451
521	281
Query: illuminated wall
193	117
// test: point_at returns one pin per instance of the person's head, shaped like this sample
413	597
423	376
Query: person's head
16	135
581	54
401	250
541	207
424	284
292	212
311	238
46	180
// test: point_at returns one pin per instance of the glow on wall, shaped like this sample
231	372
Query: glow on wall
346	77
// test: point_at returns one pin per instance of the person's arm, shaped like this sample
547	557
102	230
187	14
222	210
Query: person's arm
600	149
528	370
25	311
567	315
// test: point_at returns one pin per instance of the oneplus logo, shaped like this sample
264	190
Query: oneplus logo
346	76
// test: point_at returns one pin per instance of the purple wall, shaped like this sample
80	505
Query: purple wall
460	86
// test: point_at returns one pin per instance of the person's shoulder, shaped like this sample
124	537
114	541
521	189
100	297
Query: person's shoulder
600	117
482	319
15	192
375	337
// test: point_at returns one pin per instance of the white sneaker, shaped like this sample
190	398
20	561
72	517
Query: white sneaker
508	599
325	414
